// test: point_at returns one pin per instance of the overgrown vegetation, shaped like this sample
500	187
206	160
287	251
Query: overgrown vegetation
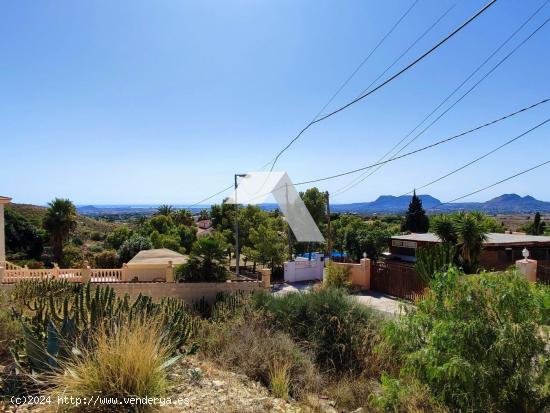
480	343
327	322
337	276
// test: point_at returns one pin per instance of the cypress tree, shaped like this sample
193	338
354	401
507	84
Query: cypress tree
416	219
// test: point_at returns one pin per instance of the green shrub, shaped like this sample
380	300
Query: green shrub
132	246
97	236
337	276
403	396
95	248
479	342
106	259
328	322
249	346
72	256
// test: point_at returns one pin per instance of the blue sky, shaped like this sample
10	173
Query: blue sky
162	102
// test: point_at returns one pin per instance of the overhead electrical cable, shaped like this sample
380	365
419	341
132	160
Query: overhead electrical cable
384	83
424	148
361	178
479	158
489	186
363	62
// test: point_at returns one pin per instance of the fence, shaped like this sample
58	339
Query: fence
106	275
397	279
543	272
11	273
23	273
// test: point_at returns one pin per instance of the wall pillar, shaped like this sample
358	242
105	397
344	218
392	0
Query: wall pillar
366	267
86	273
266	277
3	201
170	272
527	268
124	276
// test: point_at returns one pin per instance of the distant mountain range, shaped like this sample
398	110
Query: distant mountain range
385	204
388	204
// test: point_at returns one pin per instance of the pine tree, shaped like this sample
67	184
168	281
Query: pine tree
538	226
416	219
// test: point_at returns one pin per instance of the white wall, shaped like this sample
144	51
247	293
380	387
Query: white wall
304	270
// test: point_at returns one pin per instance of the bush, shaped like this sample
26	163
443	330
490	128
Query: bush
116	238
129	362
479	342
132	246
403	396
246	345
337	276
94	248
106	259
72	256
97	236
328	322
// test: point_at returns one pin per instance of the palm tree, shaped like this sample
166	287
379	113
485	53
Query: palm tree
471	235
183	217
59	222
444	227
165	210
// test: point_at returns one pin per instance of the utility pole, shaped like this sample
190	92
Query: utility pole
329	235
289	233
237	253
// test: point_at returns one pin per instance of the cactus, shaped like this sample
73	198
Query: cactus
56	320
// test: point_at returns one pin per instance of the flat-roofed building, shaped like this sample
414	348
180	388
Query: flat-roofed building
499	250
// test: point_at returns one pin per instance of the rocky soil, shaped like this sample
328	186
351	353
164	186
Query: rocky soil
208	390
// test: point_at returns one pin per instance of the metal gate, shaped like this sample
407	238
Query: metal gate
397	279
543	272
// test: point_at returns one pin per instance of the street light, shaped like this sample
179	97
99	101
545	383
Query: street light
237	254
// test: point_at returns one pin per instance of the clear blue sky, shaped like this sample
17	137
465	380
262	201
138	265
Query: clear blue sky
163	101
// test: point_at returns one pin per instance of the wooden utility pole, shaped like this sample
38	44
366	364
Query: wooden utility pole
329	235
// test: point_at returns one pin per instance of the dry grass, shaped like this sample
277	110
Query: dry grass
279	379
249	347
128	363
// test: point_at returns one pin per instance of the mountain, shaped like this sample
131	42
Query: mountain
515	203
384	204
388	204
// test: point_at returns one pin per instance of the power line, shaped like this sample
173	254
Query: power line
421	150
343	85
499	182
408	49
479	158
360	179
210	197
361	64
424	148
490	186
391	78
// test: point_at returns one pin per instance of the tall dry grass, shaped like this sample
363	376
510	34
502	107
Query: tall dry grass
130	362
